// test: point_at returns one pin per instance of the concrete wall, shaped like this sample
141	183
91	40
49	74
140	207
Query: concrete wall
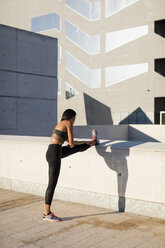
144	133
28	82
112	132
120	175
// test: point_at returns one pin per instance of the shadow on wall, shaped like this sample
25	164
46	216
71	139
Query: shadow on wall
136	117
136	135
96	112
99	114
116	160
115	156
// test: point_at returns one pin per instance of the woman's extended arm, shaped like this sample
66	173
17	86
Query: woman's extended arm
81	142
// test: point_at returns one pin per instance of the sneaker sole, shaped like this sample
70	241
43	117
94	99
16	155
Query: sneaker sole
52	220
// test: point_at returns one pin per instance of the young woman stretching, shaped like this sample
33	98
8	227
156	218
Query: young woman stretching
62	132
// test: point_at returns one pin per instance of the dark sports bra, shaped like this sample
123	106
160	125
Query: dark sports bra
60	134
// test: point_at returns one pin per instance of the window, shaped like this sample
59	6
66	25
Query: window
70	91
116	74
91	78
160	27
87	9
121	37
46	22
91	44
162	117
159	110
113	6
160	66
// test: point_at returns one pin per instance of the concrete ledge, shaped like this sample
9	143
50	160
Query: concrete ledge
112	202
120	175
23	186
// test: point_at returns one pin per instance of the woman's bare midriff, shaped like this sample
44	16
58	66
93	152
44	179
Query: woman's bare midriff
53	140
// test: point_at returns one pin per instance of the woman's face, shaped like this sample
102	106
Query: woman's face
73	120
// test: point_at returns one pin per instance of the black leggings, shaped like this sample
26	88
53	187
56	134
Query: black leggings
53	155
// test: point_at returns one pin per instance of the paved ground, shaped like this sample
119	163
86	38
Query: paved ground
83	226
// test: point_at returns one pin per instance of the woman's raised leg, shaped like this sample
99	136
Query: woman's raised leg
67	151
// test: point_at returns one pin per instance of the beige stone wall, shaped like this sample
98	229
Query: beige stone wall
122	98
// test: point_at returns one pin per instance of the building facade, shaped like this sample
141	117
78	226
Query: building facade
111	55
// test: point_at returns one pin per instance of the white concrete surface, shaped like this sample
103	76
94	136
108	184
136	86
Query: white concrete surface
123	175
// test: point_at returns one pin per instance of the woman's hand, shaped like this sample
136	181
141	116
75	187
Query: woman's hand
70	146
91	143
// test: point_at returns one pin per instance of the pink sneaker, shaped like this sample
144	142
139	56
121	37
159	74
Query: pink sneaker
94	136
51	218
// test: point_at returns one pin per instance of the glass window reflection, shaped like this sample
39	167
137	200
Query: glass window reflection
91	44
45	22
88	9
113	6
121	37
91	78
116	74
70	91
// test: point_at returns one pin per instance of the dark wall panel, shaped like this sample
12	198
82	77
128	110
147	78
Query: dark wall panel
8	83
7	48
8	118
33	86
34	115
28	82
35	55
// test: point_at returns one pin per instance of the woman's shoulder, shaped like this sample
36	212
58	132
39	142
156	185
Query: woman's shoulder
63	124
66	123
